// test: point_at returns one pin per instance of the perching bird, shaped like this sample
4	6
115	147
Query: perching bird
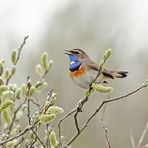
83	70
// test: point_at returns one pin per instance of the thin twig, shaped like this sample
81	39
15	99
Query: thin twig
28	111
76	121
61	120
100	107
28	99
38	138
47	135
104	126
44	75
21	47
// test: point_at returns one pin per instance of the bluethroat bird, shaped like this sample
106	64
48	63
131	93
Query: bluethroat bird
83	70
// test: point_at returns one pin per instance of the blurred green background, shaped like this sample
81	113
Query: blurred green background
93	25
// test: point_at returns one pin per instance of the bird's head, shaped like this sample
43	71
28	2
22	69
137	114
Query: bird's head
76	55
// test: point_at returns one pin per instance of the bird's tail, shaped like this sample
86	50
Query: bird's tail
119	74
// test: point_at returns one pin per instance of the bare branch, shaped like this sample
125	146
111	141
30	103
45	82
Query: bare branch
104	126
21	47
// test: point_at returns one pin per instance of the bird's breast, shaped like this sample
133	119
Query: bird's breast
83	77
79	72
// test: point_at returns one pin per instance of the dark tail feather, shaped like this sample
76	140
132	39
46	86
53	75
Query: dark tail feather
120	74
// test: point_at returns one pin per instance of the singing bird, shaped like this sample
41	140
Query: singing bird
83	70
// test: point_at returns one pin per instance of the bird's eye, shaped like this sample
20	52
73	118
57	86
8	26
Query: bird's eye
76	52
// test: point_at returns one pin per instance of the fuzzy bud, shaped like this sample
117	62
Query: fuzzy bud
50	64
6	116
2	61
13	70
108	52
14	57
44	61
1	81
11	144
32	91
102	89
41	85
18	93
7	74
23	89
39	70
55	110
47	117
12	87
6	104
8	94
3	88
53	139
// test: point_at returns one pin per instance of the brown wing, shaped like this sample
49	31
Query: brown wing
92	65
108	74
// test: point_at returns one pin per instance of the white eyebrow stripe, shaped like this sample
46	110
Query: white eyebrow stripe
72	62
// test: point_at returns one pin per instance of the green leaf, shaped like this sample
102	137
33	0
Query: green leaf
6	104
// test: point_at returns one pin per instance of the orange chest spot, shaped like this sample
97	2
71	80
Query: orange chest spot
78	72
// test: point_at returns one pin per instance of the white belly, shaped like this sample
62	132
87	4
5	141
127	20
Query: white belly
86	79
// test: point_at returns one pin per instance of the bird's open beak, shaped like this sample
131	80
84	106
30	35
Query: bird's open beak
68	52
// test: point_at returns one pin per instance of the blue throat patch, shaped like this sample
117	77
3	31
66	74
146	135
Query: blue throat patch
75	64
